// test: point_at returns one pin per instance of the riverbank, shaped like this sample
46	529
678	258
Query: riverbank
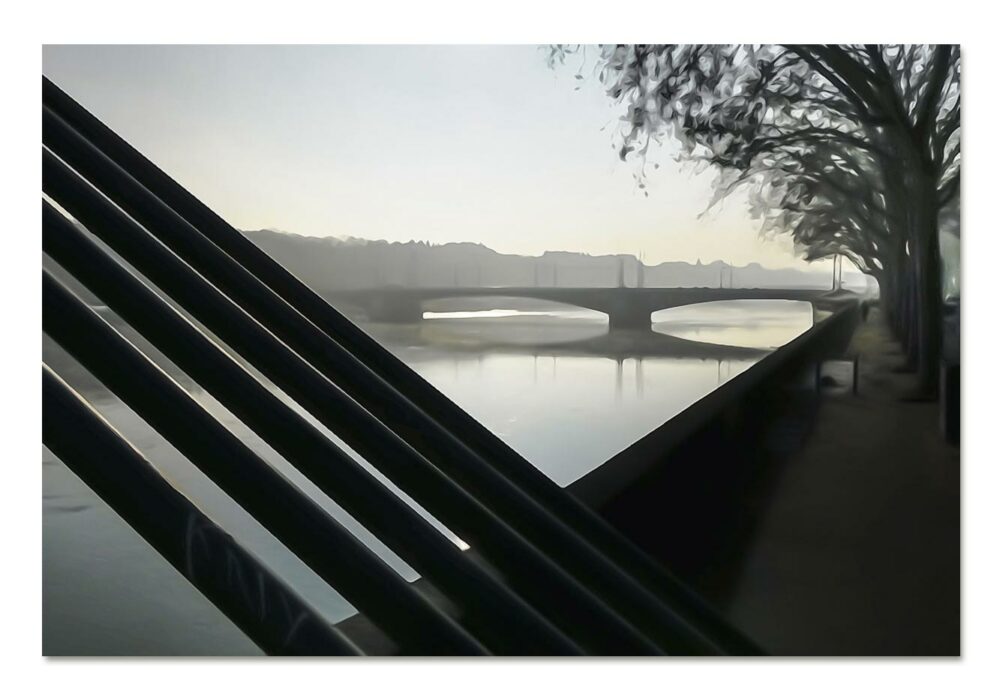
857	549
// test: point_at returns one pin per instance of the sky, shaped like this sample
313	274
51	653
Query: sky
438	143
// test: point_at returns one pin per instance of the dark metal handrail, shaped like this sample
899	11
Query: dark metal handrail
515	468
267	610
504	621
559	597
445	489
301	524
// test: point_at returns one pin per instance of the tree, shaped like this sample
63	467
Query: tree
851	149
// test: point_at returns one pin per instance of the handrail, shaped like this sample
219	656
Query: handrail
456	475
611	544
364	579
505	622
560	597
266	609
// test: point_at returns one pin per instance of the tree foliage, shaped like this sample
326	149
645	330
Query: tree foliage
850	149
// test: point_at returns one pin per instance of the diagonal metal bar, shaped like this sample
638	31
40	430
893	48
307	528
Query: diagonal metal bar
266	609
298	522
467	470
502	620
552	591
498	454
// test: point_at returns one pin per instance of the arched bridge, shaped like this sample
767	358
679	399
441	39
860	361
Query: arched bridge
627	308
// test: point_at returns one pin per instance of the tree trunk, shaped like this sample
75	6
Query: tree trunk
888	291
927	266
912	313
930	320
906	312
894	275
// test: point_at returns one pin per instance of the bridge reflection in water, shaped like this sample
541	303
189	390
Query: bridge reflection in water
567	393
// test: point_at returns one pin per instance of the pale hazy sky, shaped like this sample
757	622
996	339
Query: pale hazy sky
440	143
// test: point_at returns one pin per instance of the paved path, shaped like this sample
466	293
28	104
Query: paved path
857	552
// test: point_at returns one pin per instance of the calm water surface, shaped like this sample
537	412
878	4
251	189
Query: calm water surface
538	378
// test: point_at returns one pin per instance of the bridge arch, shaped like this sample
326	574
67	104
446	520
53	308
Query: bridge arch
500	304
755	323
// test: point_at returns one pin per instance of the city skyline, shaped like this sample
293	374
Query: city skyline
482	144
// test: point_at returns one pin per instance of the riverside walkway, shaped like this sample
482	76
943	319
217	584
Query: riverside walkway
857	551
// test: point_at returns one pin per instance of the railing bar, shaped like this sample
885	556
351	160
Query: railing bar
269	612
620	591
534	576
293	518
500	618
584	521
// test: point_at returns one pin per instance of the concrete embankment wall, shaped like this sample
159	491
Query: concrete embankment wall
682	492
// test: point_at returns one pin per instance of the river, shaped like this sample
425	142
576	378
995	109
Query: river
545	379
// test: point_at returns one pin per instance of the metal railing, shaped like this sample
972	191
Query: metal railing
262	605
547	577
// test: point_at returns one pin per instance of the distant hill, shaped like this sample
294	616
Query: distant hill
327	263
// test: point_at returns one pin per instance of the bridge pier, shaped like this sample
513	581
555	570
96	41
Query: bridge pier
394	309
630	317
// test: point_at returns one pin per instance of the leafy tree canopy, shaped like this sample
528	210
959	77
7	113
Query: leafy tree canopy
831	141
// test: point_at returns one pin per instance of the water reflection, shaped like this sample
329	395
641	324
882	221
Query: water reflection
580	411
